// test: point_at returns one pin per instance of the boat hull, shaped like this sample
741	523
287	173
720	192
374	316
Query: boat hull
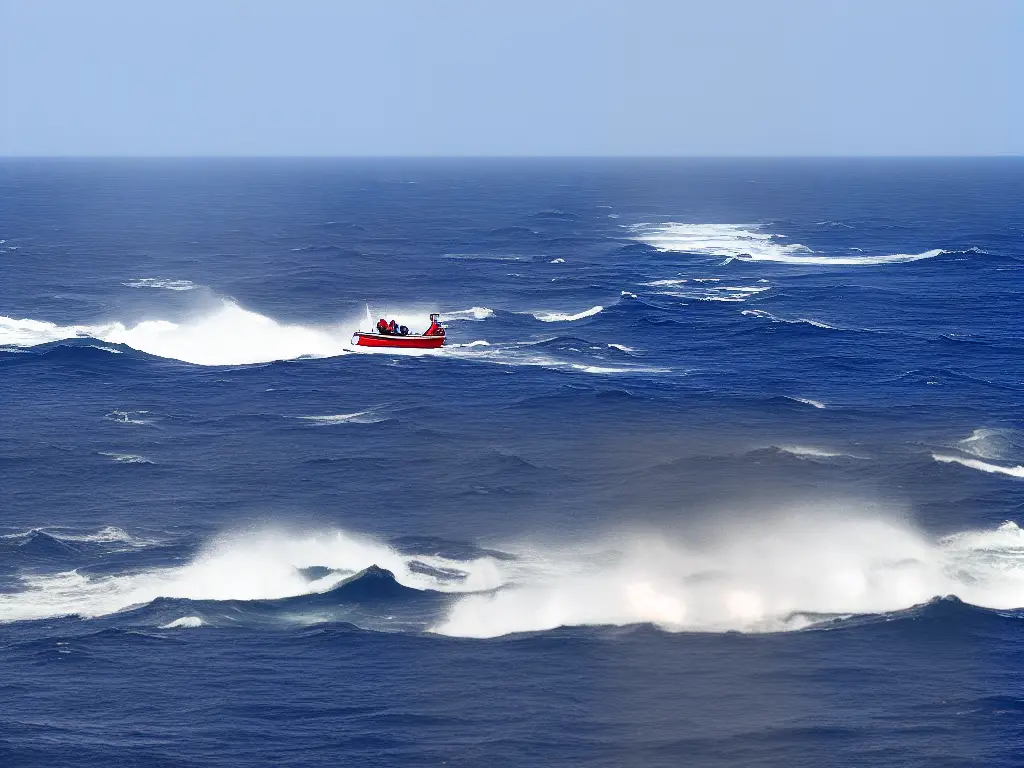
397	342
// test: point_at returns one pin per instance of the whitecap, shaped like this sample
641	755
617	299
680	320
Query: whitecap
978	464
126	458
741	241
808	401
159	282
264	564
359	417
473	313
563	317
185	622
813	452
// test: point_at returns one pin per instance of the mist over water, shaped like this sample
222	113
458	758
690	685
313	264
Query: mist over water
715	453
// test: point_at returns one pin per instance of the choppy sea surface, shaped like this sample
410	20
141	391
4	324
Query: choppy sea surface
723	463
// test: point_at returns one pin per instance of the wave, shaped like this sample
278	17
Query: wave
189	622
473	313
230	335
805	320
109	534
807	401
126	458
765	576
806	451
159	282
698	291
774	573
982	466
260	565
359	417
128	417
999	444
562	317
489	257
740	241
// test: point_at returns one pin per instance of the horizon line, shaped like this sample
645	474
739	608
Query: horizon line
515	157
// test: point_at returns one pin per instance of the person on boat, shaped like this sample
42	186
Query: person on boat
393	328
403	330
382	326
435	329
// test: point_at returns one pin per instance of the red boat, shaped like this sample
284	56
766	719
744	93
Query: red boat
392	337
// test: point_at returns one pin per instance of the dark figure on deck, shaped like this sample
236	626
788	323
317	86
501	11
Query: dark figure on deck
382	326
404	330
393	327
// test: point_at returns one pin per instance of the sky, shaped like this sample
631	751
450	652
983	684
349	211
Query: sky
511	77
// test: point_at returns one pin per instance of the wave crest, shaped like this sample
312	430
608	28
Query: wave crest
740	241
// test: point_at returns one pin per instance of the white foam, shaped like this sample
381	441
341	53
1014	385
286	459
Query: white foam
125	417
359	417
812	452
808	401
982	466
229	335
775	319
473	313
563	317
185	622
257	565
126	458
557	261
705	289
622	348
989	443
159	282
107	535
760	576
741	240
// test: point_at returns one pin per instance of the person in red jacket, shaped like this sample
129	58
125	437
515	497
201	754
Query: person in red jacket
382	326
435	329
393	327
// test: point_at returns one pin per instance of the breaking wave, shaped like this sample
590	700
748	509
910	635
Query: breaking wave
774	574
986	446
360	417
473	313
982	466
158	282
230	335
805	320
126	458
564	317
264	565
740	241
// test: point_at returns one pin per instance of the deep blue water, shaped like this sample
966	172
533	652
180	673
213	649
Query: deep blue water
722	464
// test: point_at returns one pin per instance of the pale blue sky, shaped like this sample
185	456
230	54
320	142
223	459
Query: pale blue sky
490	77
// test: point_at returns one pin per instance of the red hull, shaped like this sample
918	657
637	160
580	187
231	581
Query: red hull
397	342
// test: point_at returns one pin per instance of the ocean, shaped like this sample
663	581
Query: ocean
722	463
